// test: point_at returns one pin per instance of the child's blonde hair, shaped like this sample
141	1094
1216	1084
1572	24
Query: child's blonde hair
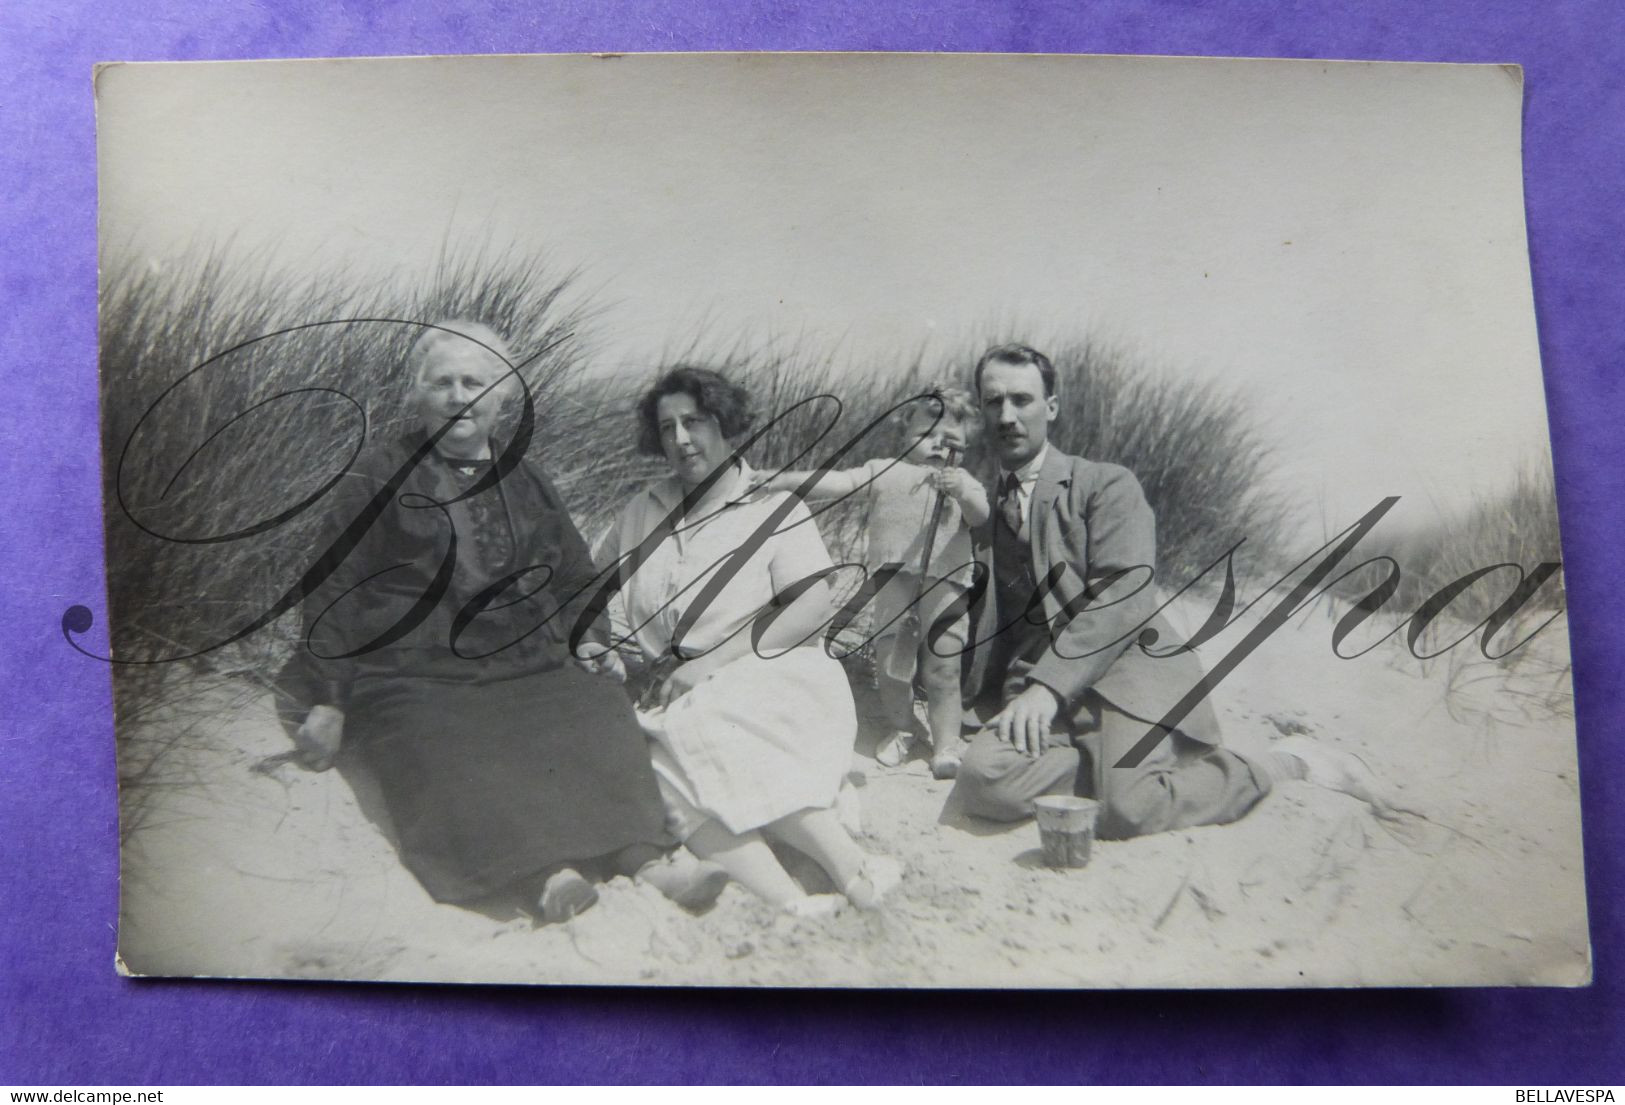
957	404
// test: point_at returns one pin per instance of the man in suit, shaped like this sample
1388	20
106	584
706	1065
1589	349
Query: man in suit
1057	669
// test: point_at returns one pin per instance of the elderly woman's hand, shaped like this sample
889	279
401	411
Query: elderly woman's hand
318	739
599	659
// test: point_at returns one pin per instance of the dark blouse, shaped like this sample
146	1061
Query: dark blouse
493	536
378	614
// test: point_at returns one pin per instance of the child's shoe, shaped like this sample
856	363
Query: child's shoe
896	748
945	763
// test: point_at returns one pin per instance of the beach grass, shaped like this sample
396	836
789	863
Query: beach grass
1494	540
235	390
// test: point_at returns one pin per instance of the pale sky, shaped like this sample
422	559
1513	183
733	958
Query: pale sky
1344	240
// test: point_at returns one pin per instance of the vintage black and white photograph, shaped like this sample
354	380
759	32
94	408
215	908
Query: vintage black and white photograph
831	520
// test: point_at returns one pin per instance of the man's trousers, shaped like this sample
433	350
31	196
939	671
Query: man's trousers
1182	783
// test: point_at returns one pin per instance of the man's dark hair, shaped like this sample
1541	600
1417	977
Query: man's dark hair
1018	355
713	393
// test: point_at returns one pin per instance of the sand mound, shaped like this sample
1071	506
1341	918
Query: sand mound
283	873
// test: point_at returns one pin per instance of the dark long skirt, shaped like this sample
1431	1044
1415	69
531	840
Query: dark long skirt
489	783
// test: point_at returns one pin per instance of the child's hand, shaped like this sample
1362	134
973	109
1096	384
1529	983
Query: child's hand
966	490
956	483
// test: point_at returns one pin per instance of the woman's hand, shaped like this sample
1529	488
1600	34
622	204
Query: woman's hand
684	678
597	659
318	739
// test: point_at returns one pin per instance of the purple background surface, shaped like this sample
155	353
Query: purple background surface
66	1018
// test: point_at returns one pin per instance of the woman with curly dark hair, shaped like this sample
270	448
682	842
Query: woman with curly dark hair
752	722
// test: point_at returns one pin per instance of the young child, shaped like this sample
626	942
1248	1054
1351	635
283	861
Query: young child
901	494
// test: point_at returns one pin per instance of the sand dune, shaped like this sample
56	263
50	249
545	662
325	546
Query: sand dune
283	874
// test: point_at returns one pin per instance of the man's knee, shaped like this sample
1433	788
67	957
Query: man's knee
1123	817
998	783
983	761
979	784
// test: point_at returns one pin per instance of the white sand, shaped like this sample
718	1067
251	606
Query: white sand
241	874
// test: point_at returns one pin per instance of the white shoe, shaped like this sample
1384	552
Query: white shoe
814	907
876	879
1337	770
895	749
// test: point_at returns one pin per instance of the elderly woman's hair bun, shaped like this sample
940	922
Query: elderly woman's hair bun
712	393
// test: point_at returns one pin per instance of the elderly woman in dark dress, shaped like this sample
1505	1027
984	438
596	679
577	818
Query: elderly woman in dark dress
505	762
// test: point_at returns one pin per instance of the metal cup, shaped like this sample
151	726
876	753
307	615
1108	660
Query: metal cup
1066	829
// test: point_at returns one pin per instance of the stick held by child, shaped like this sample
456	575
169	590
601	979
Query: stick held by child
902	495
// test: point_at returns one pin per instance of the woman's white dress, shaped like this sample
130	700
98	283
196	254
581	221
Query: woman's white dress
767	735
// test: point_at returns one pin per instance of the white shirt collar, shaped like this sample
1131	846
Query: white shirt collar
1027	474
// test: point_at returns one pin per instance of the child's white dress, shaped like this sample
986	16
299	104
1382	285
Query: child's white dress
900	499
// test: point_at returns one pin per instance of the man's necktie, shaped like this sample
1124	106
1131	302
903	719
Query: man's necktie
1010	502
